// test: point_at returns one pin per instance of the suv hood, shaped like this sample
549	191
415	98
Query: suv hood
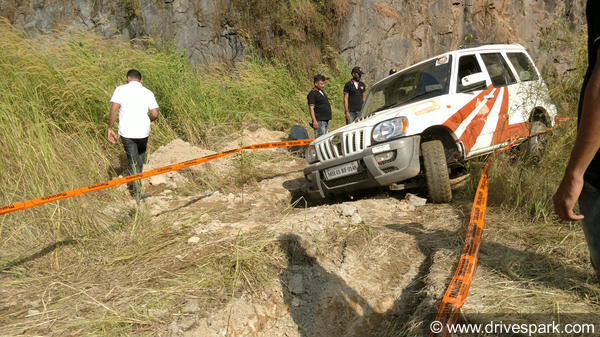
410	111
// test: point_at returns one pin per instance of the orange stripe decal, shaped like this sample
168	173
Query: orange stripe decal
473	130
455	120
504	132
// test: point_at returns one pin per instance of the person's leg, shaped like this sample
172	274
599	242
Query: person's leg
323	128
589	204
319	131
353	115
141	154
131	150
140	160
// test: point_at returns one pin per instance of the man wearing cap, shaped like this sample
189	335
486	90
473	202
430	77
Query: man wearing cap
354	95
319	107
136	107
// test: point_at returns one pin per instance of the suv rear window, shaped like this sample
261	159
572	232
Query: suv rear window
498	69
523	66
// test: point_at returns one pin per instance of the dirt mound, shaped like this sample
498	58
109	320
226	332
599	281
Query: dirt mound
253	136
178	151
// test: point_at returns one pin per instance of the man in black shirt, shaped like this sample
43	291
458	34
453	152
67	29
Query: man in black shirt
582	176
319	107
354	95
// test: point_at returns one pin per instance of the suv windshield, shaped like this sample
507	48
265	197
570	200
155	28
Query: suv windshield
425	81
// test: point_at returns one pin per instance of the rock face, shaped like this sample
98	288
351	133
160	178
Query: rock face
376	34
381	34
198	26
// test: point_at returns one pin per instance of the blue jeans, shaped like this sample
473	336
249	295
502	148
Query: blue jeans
135	149
322	129
589	204
353	115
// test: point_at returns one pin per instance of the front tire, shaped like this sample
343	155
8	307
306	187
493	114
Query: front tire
436	171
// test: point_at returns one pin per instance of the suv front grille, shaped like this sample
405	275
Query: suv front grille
343	144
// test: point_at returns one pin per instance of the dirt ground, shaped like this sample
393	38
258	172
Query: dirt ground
254	258
373	266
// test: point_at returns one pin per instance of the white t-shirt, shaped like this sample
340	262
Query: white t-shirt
135	101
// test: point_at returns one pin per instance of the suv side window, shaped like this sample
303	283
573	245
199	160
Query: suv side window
523	66
498	69
467	65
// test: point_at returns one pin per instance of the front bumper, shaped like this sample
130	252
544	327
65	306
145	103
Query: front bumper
404	165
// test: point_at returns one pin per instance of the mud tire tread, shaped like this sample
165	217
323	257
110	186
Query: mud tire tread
436	171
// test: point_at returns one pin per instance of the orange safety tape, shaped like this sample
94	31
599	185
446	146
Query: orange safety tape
456	293
458	289
119	181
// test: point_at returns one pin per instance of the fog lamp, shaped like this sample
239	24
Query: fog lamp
383	157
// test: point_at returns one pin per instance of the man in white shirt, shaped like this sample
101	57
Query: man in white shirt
136	108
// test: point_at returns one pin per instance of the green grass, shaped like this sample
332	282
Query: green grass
54	110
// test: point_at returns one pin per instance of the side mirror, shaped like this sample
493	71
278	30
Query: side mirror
473	81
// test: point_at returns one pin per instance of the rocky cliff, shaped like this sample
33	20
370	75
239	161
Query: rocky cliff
198	26
376	34
382	34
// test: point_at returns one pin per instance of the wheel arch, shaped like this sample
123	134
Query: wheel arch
448	139
540	114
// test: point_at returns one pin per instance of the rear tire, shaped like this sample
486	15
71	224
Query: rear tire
532	149
436	171
535	145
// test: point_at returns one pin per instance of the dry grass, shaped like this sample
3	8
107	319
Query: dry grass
134	280
529	268
340	8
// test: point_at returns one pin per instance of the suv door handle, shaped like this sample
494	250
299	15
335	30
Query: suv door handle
490	96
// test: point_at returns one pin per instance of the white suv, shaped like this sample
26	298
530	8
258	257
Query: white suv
431	117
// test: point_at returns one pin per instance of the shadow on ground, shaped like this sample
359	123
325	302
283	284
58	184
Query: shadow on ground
322	304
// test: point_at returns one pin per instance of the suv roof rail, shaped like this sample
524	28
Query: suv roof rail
477	44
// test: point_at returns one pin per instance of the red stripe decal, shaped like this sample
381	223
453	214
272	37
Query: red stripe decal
473	130
455	120
505	132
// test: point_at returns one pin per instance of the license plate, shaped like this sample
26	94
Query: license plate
341	170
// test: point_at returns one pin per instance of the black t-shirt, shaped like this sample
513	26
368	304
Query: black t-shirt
592	175
355	95
321	103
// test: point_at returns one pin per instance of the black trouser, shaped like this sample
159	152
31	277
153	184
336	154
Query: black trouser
135	148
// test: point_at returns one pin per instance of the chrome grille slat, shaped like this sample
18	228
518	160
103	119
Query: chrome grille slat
336	153
351	142
328	148
323	153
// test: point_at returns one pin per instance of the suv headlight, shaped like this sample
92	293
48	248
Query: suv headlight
392	128
311	154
